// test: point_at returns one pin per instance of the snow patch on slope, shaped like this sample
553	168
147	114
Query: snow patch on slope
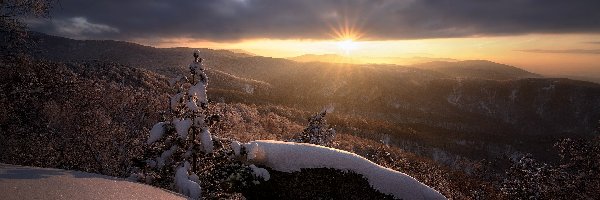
289	157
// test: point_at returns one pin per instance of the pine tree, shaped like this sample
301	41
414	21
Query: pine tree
318	131
182	153
176	142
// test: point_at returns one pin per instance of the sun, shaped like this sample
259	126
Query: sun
346	33
347	45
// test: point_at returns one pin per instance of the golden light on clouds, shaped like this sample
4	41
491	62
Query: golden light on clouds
345	30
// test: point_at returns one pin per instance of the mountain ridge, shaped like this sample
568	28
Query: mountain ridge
351	59
478	69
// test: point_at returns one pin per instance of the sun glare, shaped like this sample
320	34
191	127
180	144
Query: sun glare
347	45
346	31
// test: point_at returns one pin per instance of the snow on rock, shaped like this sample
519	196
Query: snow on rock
260	172
199	91
182	126
236	146
289	157
184	183
158	130
206	139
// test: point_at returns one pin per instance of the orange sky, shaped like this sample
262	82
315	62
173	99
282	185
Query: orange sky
512	50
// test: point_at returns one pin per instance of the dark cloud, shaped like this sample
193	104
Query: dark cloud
313	19
75	27
569	51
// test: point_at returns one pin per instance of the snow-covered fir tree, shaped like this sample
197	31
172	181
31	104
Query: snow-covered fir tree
318	131
182	135
182	153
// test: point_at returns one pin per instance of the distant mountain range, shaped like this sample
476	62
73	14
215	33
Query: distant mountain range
241	51
498	109
482	69
458	69
328	58
335	58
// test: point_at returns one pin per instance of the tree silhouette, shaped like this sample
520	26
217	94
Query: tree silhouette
13	32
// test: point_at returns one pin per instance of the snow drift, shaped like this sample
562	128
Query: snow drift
289	157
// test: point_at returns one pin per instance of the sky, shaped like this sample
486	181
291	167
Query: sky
543	36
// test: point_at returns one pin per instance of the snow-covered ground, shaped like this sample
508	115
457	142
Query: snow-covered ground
289	156
18	182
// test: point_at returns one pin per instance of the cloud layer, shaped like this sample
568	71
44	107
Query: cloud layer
313	19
